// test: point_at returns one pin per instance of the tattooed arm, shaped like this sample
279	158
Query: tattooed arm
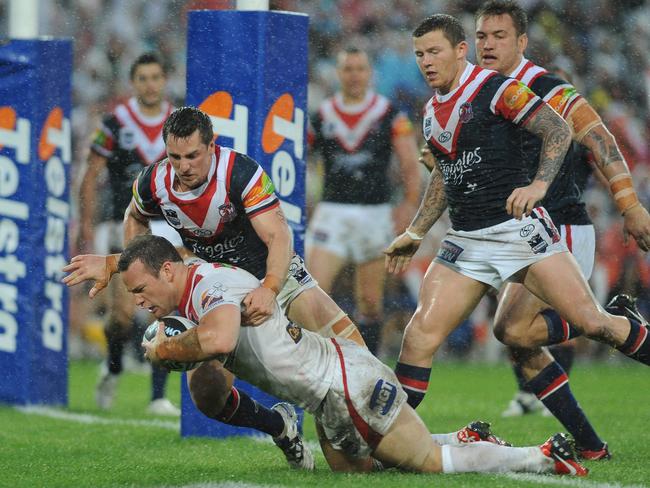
434	203
590	131
556	139
273	230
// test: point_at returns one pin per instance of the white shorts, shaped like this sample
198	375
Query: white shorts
581	241
298	280
494	254
362	403
357	233
109	235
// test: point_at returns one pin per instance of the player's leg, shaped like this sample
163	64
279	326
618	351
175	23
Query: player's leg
409	446
557	280
338	460
446	299
212	391
543	376
369	296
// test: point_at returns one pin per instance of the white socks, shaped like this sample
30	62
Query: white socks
485	457
450	439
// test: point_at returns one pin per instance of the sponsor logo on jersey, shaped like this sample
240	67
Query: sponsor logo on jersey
427	128
294	332
212	296
201	232
444	137
517	95
298	271
453	173
383	397
465	113
227	212
449	251
227	249
527	230
172	217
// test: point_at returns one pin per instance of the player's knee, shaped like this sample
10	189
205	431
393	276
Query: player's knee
421	337
511	335
209	389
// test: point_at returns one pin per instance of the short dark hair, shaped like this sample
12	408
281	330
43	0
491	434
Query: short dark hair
146	58
493	8
183	121
449	25
151	250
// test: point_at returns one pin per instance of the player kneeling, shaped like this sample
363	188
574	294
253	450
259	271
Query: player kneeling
359	407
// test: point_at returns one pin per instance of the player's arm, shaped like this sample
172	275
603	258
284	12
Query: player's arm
135	223
406	151
555	135
273	230
216	333
87	202
589	130
432	206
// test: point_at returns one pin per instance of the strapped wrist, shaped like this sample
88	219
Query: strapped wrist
414	236
273	283
623	192
111	264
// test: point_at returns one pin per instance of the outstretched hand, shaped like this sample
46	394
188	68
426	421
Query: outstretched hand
399	253
90	267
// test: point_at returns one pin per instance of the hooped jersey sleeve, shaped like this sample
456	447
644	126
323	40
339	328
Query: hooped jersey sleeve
514	101
252	187
401	125
144	195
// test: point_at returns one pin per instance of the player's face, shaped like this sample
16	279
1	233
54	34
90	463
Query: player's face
498	46
440	63
191	160
149	84
354	74
153	293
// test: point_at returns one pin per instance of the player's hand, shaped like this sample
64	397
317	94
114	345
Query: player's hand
400	252
151	347
259	304
402	216
426	158
636	223
88	267
523	200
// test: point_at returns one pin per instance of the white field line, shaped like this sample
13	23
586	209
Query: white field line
566	481
83	418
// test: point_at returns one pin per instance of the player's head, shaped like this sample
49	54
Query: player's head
440	50
149	267
189	140
354	72
501	35
148	79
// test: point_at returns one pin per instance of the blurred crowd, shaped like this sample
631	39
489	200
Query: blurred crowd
602	43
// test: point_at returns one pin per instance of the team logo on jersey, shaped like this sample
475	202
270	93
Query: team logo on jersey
383	397
294	332
526	230
127	138
172	217
538	244
465	113
227	212
444	137
427	128
213	296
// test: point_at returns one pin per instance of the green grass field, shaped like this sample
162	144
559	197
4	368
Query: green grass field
83	447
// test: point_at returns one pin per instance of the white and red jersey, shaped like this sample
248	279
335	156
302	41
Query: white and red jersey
129	140
214	219
473	133
356	143
277	356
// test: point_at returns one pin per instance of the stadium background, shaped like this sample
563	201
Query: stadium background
604	43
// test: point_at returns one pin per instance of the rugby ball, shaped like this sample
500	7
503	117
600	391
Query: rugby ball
174	326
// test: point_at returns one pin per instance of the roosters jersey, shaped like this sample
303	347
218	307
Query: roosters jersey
356	146
564	197
128	140
214	219
473	132
277	356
